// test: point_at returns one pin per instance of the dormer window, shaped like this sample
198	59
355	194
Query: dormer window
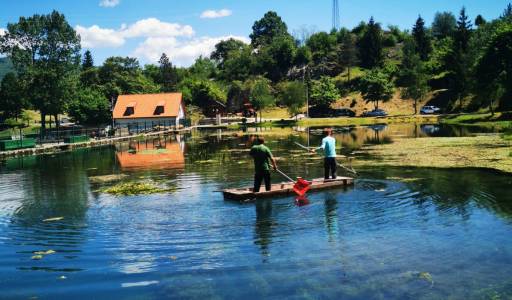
130	109
160	108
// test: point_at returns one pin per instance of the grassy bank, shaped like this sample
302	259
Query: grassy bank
492	152
500	121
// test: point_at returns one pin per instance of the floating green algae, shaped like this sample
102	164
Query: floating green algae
134	188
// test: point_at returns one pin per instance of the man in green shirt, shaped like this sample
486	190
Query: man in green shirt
262	160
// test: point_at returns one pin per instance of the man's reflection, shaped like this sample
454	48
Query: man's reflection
264	225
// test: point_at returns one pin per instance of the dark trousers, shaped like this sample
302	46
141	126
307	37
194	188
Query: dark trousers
258	177
330	167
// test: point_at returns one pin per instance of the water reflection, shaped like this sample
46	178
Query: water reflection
374	238
264	226
161	152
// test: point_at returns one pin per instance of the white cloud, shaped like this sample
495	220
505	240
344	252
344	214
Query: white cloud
109	3
181	52
214	14
2	31
152	27
96	37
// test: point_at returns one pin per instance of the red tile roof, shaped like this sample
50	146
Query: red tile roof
145	104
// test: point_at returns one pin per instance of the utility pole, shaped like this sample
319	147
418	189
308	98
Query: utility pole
335	15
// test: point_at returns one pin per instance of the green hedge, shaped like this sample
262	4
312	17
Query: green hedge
76	139
17	144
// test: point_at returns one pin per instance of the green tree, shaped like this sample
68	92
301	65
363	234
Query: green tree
260	95
324	93
203	68
239	65
204	92
265	30
422	39
276	59
348	54
90	107
413	75
168	75
463	31
458	62
370	46
12	101
444	25
494	68
293	95
87	62
225	48
507	13
45	51
479	21
123	75
321	45
376	86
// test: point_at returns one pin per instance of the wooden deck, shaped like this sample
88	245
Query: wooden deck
283	189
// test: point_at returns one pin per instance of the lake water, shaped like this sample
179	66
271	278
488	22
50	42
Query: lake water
399	233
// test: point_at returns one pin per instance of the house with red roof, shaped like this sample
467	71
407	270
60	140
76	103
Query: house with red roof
149	110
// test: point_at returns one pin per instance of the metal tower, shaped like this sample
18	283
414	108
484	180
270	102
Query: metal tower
335	15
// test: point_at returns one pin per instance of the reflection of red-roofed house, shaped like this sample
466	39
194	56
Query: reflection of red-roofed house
148	110
151	154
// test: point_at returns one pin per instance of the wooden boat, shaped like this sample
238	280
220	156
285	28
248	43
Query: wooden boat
283	189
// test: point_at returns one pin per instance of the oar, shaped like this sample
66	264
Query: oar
351	170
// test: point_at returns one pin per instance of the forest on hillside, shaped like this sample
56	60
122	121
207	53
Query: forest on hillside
465	60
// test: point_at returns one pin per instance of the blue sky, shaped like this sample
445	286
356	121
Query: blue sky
145	29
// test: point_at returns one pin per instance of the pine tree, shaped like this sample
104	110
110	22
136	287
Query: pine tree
423	42
348	53
168	75
507	13
463	32
87	62
370	46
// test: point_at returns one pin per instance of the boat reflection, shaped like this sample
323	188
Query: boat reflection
154	153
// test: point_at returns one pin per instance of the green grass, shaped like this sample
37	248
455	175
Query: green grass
500	120
275	113
366	121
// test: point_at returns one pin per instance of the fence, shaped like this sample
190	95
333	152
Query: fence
67	134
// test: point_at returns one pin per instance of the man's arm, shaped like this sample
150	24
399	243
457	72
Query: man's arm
274	164
272	159
321	147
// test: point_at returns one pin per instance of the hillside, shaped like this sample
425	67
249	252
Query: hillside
5	66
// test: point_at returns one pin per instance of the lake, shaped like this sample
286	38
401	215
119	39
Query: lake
399	233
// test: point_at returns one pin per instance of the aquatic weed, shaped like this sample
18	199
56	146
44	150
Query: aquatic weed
134	188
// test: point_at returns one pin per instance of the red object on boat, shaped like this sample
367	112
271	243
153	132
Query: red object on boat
301	187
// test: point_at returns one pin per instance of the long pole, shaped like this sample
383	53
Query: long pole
339	164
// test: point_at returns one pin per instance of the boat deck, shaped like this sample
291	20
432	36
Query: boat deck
283	189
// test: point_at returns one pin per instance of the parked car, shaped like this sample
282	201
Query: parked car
429	110
343	112
316	112
375	113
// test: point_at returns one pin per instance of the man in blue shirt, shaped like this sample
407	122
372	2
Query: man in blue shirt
329	148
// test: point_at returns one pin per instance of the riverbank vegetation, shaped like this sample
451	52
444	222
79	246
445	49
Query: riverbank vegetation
492	152
456	63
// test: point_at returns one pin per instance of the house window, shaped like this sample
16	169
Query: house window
159	110
129	111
